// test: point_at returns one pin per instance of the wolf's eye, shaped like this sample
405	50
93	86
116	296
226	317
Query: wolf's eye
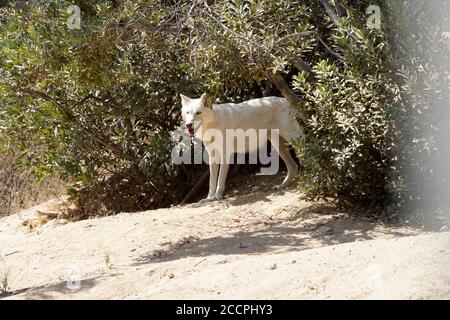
198	112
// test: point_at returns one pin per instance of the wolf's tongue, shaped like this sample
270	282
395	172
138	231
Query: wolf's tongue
191	131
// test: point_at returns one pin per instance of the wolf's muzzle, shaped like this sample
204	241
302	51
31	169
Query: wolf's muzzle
190	128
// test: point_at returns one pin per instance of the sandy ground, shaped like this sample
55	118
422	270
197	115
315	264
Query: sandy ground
259	245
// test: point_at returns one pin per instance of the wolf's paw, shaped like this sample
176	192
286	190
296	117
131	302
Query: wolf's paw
210	198
277	187
214	197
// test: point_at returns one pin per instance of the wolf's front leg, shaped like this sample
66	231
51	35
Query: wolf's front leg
213	172
222	179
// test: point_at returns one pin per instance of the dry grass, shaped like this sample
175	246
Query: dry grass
20	190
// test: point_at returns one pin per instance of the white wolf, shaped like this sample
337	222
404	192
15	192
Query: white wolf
211	122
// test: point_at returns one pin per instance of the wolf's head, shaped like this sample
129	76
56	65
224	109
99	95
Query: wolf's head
195	111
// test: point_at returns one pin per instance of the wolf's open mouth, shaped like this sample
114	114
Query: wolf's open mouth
191	131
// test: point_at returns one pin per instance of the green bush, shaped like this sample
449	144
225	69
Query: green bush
418	31
98	104
350	153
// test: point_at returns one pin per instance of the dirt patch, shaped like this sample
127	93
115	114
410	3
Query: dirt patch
263	244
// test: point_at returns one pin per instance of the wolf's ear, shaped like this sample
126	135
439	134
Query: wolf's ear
205	100
184	99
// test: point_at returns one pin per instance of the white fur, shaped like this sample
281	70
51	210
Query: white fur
264	113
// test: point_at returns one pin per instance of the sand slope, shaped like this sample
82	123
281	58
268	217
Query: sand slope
261	245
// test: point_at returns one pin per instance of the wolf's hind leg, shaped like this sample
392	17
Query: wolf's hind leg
283	150
222	179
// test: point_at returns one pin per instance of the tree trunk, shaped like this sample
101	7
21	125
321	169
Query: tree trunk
278	80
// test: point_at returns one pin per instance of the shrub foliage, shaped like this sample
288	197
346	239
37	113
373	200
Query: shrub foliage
98	104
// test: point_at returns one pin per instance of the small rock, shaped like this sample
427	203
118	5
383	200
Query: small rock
273	267
325	230
293	262
171	276
242	246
